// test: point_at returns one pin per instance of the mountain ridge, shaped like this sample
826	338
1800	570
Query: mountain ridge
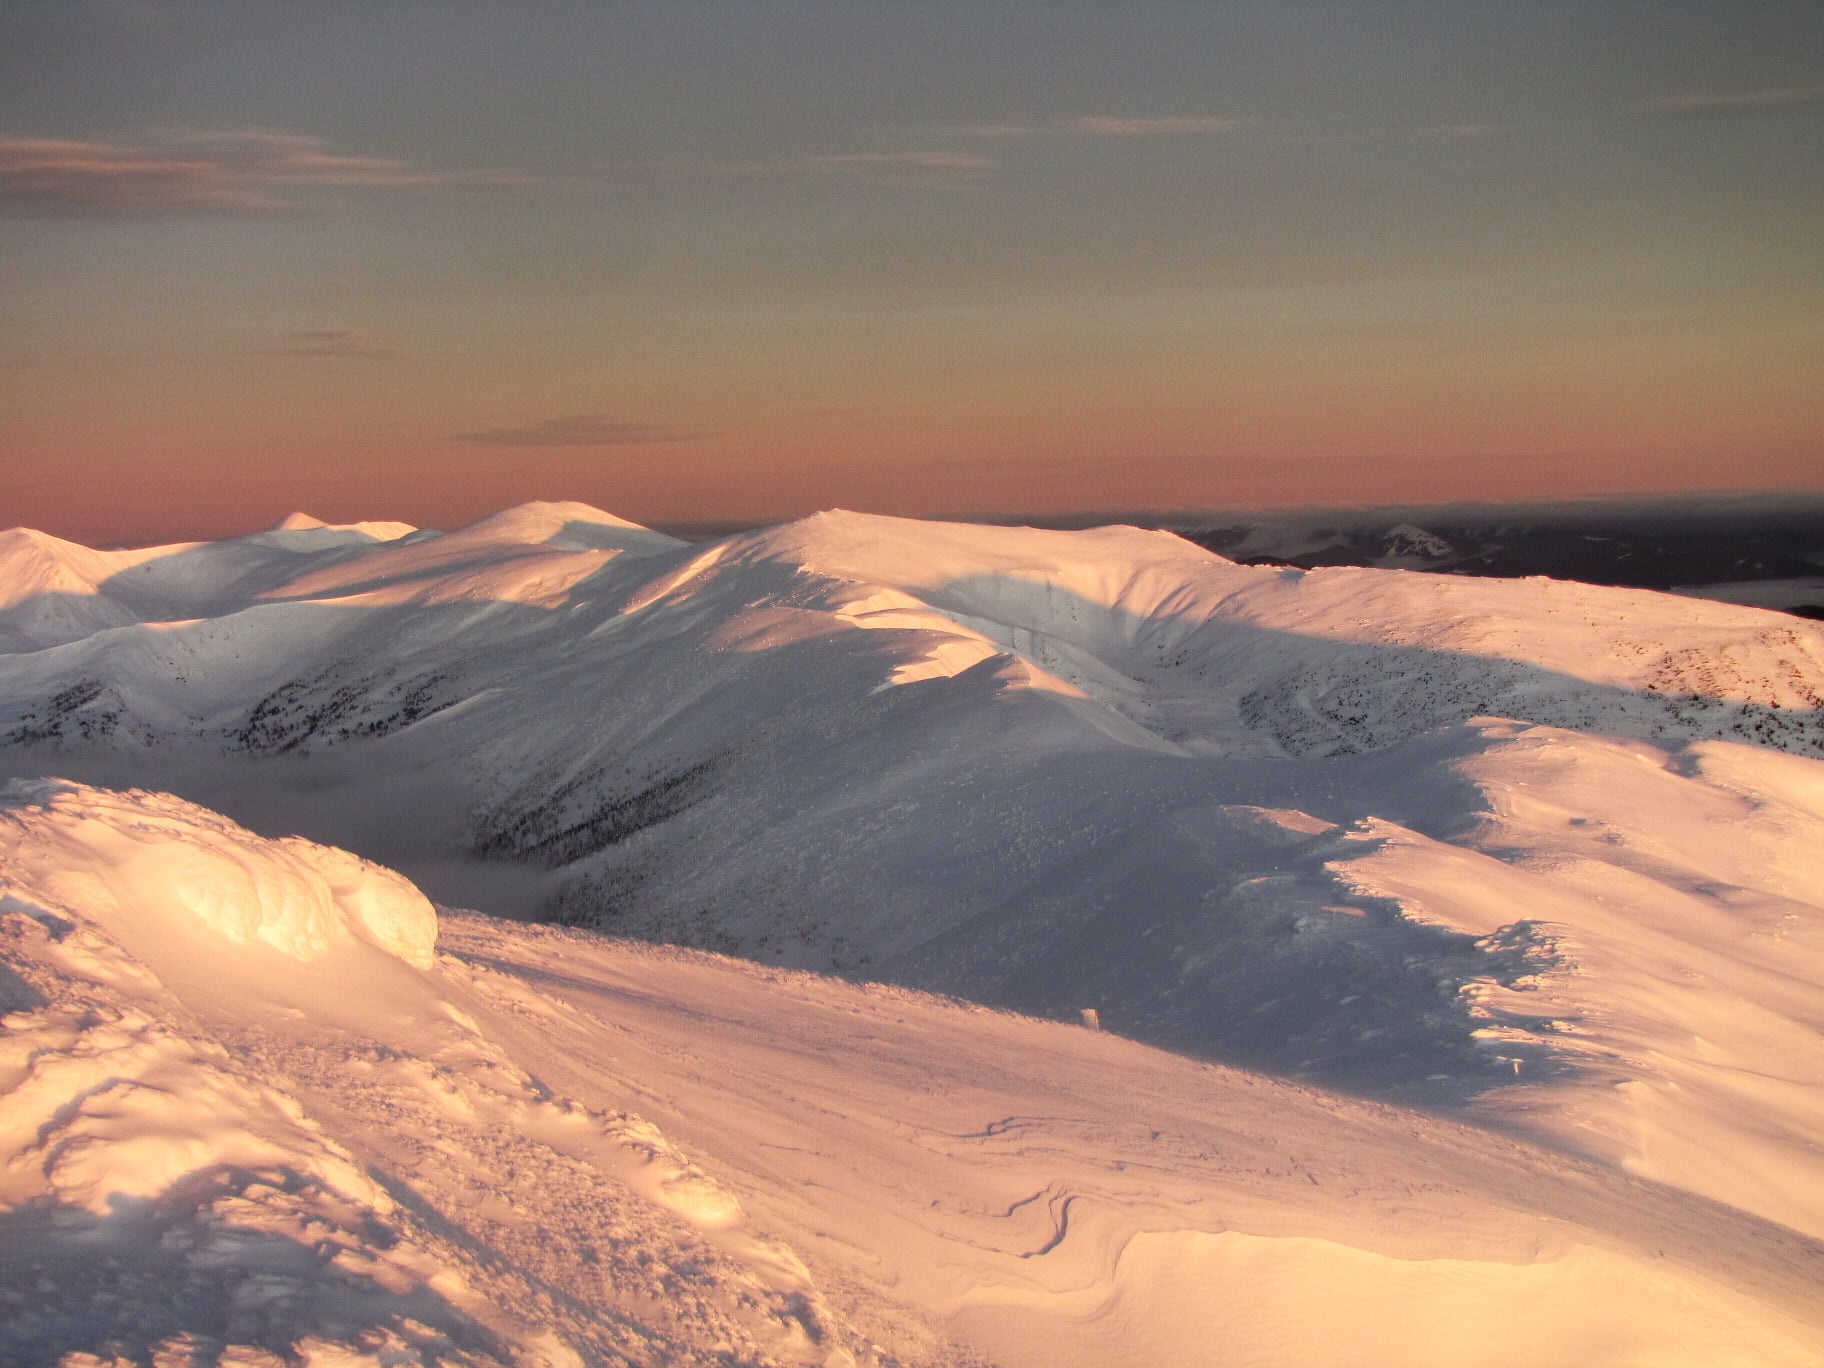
240	1126
1333	824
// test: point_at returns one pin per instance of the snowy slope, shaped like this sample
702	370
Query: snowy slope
53	591
1533	852
250	1115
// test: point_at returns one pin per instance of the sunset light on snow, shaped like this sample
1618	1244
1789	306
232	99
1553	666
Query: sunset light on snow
911	683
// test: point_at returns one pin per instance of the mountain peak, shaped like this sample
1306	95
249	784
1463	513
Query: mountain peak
556	511
379	531
567	525
1409	539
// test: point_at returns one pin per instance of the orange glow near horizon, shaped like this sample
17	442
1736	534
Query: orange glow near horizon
1333	425
702	278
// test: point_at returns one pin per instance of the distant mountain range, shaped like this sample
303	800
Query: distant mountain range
1767	556
1533	854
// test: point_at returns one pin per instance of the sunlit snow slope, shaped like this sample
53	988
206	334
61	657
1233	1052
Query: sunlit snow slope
1538	853
257	1106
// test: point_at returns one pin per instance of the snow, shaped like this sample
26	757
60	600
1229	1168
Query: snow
1525	870
553	1147
53	591
1409	546
567	525
301	521
171	861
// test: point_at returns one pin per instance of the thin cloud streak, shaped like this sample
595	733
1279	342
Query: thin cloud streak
581	430
994	130
928	170
52	178
1418	135
937	170
1733	102
338	343
1106	126
232	173
949	168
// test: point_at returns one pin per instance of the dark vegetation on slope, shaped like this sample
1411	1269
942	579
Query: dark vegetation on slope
87	710
329	706
587	814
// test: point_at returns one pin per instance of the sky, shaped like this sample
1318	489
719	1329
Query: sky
699	261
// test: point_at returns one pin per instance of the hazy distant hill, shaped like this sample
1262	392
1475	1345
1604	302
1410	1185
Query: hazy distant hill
1744	553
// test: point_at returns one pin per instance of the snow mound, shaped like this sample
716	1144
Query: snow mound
202	1156
382	531
566	525
161	859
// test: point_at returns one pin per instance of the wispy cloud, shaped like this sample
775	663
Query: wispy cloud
938	170
581	430
995	130
1416	134
951	168
1734	102
1106	126
227	173
344	343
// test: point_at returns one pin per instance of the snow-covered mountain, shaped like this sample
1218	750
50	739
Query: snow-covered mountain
260	1105
1531	854
1761	551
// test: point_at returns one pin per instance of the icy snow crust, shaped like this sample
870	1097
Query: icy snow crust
1535	855
552	1147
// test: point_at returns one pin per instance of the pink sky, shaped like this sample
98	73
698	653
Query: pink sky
417	263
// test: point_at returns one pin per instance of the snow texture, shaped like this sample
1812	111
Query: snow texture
1525	870
556	1148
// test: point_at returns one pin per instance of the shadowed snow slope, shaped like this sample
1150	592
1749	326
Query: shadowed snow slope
540	1146
1535	854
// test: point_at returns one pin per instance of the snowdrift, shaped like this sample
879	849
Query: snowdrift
160	862
1531	855
548	1147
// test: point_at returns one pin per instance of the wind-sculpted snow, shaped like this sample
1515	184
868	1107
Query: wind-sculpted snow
163	862
1465	843
317	1156
542	1147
